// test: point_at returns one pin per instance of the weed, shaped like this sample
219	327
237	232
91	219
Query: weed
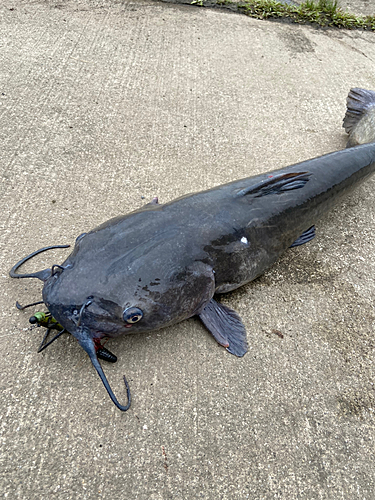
320	12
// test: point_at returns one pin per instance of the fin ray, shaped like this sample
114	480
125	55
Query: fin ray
276	184
305	237
357	103
226	327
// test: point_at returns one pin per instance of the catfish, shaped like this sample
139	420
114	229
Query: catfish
164	263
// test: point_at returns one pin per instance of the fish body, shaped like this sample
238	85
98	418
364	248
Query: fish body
169	260
162	264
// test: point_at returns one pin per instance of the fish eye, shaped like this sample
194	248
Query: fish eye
132	315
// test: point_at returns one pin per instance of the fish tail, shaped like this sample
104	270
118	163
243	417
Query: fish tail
358	104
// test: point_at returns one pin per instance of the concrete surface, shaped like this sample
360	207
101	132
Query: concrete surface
104	105
358	7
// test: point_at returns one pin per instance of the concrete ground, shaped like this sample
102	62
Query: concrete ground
358	7
104	105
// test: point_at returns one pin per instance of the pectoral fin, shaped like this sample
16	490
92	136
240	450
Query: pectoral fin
226	327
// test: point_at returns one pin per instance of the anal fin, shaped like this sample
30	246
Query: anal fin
305	237
226	327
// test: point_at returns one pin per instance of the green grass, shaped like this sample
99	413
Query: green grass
321	12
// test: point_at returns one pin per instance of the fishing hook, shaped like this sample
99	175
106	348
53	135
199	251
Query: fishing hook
43	345
53	272
86	304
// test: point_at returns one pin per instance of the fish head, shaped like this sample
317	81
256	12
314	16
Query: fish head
117	282
113	301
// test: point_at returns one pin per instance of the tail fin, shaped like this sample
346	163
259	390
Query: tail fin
359	120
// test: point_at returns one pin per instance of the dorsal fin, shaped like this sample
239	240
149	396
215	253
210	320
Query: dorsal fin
276	184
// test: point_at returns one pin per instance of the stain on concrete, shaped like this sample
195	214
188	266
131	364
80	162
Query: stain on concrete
356	404
296	41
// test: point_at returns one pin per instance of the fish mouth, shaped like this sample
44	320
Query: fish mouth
101	317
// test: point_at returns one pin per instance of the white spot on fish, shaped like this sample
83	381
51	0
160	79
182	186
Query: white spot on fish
244	240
